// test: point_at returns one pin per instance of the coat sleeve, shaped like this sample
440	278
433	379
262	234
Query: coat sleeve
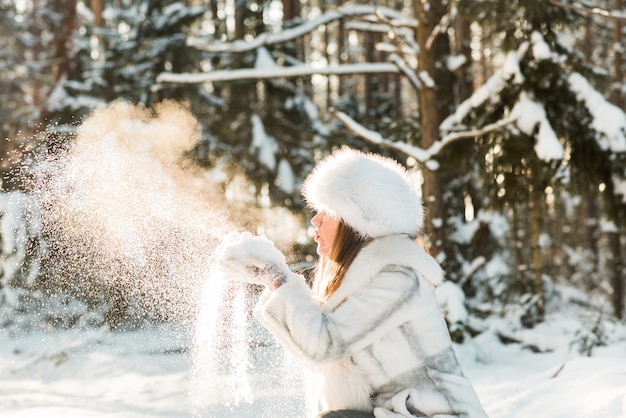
300	323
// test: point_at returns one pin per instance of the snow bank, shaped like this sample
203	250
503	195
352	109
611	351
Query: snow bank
95	373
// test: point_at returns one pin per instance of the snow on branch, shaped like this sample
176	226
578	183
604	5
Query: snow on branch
406	70
394	22
608	120
490	91
443	24
276	72
396	31
393	16
409	46
533	121
420	154
619	16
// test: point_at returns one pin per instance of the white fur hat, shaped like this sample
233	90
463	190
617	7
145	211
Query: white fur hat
369	192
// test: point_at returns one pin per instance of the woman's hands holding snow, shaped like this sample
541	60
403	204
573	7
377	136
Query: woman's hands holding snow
252	259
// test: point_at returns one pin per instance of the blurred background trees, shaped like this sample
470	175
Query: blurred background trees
507	215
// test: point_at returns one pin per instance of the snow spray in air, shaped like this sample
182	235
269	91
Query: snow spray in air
238	365
131	226
128	224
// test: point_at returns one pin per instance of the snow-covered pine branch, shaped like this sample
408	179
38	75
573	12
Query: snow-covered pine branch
609	121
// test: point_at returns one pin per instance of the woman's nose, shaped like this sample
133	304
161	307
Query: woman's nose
315	221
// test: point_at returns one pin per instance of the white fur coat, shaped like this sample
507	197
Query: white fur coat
380	341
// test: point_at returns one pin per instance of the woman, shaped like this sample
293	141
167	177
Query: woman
371	326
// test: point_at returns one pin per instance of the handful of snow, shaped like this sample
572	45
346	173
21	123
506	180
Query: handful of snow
248	258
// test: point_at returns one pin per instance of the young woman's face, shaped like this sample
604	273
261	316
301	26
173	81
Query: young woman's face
325	232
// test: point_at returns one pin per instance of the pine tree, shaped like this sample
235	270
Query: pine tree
120	53
552	138
268	128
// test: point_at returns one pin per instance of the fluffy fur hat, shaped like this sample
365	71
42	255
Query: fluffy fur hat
370	193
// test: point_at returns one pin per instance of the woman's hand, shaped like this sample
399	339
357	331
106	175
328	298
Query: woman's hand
252	259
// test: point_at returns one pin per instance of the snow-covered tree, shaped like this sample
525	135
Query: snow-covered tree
507	168
117	52
528	121
34	58
268	122
564	135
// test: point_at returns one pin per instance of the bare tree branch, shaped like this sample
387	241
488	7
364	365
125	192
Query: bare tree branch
397	57
396	31
397	26
420	154
590	10
276	72
408	72
443	24
298	31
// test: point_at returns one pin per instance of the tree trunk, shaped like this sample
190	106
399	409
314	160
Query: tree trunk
537	211
242	91
60	54
291	10
63	42
37	98
615	263
588	218
370	84
517	242
96	8
435	103
617	279
384	78
587	41
329	89
464	77
618	75
341	52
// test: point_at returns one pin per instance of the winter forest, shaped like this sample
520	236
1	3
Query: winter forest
135	134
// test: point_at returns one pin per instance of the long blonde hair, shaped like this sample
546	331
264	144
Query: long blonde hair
330	270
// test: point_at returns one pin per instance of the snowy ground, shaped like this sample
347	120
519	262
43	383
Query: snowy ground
87	374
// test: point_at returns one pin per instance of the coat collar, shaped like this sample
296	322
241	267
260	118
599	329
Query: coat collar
381	252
